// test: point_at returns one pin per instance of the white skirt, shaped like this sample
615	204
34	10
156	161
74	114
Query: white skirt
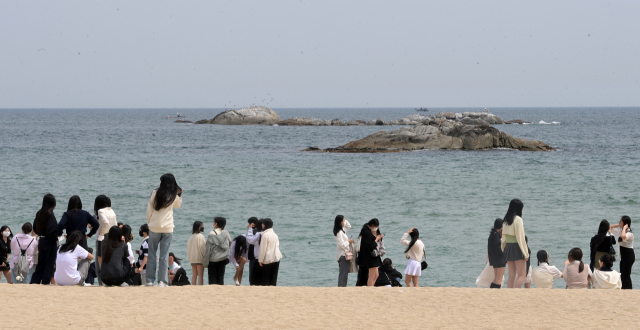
413	268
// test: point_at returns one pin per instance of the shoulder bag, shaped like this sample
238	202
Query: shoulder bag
424	265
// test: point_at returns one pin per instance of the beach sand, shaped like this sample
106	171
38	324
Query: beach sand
229	307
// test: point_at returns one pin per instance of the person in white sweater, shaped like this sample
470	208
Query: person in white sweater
544	275
514	244
605	277
106	219
270	256
160	220
415	253
196	246
340	228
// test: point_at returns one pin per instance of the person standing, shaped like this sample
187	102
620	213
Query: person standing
106	219
340	228
77	219
627	257
514	246
368	245
27	243
160	220
496	256
254	233
216	255
602	243
196	249
5	253
415	253
270	256
143	254
46	226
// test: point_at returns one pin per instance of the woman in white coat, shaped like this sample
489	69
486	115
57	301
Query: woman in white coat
340	228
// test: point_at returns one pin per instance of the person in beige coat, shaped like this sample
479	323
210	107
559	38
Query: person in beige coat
196	248
270	256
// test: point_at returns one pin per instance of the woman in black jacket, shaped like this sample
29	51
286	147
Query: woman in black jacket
46	226
496	256
387	275
77	219
113	271
369	244
601	244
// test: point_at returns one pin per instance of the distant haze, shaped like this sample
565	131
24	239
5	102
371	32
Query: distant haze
215	54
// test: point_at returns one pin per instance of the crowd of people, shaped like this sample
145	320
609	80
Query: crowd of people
508	246
35	256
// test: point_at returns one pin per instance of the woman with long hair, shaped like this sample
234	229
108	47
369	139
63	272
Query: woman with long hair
115	259
627	257
514	245
574	272
77	219
340	228
46	226
160	220
106	219
368	245
415	253
5	253
195	252
238	251
495	254
68	270
602	243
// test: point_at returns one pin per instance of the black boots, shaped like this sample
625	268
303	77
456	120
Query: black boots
495	286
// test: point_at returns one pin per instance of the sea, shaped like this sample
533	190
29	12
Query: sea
237	172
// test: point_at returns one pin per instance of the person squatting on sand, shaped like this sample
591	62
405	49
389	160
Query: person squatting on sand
114	270
216	255
495	254
177	274
388	276
340	228
160	220
196	248
514	245
415	253
627	257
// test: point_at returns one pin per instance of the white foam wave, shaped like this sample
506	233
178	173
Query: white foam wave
542	122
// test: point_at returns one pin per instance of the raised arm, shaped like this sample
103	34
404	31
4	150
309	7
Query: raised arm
404	239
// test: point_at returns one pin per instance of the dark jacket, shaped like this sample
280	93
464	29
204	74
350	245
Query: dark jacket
77	220
387	275
116	268
368	244
51	229
180	278
605	246
494	250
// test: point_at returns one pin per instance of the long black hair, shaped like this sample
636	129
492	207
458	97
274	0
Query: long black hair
543	256
603	228
415	234
166	193
75	203
73	240
175	259
372	222
196	227
241	246
127	233
626	220
515	209
48	204
497	224
3	228
99	203
115	240
337	225
576	255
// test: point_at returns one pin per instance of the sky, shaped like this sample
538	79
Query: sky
287	54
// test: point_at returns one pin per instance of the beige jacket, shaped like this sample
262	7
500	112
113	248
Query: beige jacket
161	221
269	247
196	248
516	229
417	250
106	219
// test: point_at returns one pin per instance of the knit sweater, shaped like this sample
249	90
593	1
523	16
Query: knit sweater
161	221
417	250
516	229
269	247
196	248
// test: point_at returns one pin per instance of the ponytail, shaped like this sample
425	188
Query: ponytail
576	255
581	268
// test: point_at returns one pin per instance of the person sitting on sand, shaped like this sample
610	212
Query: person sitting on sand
270	256
177	274
115	256
68	270
543	275
605	277
415	253
238	252
574	273
388	276
495	254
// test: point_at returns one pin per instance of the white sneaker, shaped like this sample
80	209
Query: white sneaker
237	283
86	284
149	284
124	284
162	284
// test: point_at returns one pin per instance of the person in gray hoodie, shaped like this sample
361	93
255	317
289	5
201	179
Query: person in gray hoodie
216	255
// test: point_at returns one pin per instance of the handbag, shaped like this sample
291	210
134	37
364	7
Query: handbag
348	255
375	253
423	264
612	250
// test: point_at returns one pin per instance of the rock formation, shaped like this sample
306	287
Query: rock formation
258	115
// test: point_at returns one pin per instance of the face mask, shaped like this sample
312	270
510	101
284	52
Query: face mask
201	229
6	233
140	232
375	230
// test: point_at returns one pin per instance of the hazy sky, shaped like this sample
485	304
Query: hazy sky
126	54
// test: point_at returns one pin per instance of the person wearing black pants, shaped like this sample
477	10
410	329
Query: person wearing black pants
46	226
216	271
627	257
270	256
269	276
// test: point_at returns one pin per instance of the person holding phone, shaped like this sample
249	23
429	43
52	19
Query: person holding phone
340	228
368	245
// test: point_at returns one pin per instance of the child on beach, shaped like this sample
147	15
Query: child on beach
543	275
415	253
143	254
196	248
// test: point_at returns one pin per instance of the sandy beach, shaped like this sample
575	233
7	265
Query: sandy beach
229	307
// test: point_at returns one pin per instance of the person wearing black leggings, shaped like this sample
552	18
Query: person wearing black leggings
46	226
627	257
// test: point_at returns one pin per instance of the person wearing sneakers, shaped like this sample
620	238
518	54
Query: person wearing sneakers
216	256
160	220
68	270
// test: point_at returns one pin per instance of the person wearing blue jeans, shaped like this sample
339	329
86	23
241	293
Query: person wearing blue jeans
162	240
160	220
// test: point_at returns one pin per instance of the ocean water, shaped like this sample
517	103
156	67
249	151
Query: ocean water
237	172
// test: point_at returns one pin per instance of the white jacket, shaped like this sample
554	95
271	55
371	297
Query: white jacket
606	280
342	240
269	247
161	221
106	219
543	275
